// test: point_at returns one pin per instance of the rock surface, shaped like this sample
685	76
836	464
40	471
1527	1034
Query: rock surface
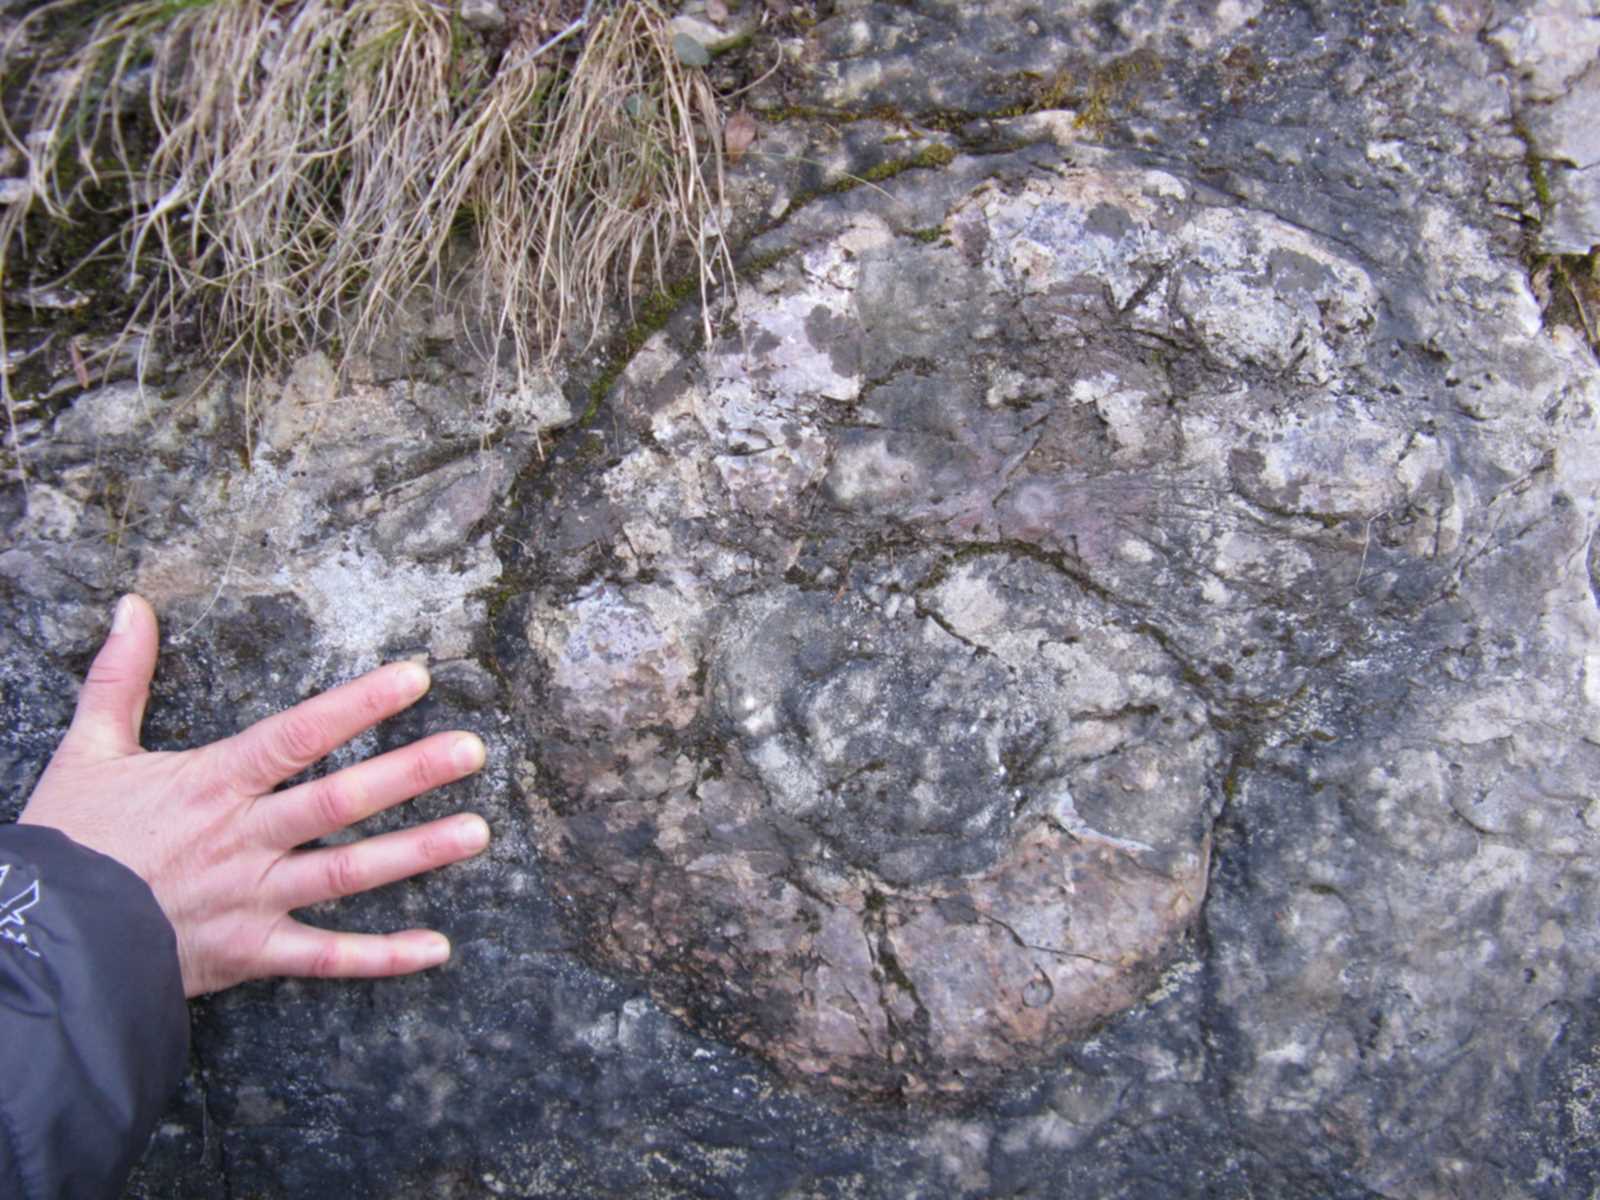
1553	49
1089	685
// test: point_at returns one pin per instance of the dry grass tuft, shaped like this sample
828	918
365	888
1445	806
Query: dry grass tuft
294	173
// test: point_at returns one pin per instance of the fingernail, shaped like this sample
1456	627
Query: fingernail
122	616
468	753
474	833
435	949
413	678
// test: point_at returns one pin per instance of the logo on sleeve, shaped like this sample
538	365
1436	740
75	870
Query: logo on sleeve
13	925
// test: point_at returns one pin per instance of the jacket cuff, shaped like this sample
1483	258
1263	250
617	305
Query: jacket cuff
94	1031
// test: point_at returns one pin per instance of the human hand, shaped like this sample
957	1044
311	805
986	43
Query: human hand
217	845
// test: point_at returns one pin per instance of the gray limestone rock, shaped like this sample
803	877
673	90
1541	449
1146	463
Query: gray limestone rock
1087	685
1554	51
1564	128
1574	221
1552	43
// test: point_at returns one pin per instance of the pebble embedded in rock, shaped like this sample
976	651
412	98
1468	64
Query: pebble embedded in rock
482	16
959	806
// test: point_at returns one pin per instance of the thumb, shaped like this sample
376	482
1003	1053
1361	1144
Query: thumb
111	704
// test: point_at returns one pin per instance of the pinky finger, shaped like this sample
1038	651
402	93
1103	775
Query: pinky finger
300	949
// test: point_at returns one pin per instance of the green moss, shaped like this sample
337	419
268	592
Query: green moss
811	112
592	450
1108	87
929	157
654	312
497	597
1244	65
1538	176
603	384
1541	183
949	120
1570	287
932	233
894	973
650	316
755	265
738	41
656	308
1052	93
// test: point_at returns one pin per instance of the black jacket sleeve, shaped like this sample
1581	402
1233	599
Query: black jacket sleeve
94	1031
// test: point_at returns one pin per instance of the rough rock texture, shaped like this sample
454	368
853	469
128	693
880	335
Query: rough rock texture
1553	49
1088	686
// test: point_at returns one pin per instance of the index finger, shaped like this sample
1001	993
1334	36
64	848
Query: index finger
270	751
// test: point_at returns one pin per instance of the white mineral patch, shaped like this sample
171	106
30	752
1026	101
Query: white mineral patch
380	603
1305	319
868	472
1551	43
